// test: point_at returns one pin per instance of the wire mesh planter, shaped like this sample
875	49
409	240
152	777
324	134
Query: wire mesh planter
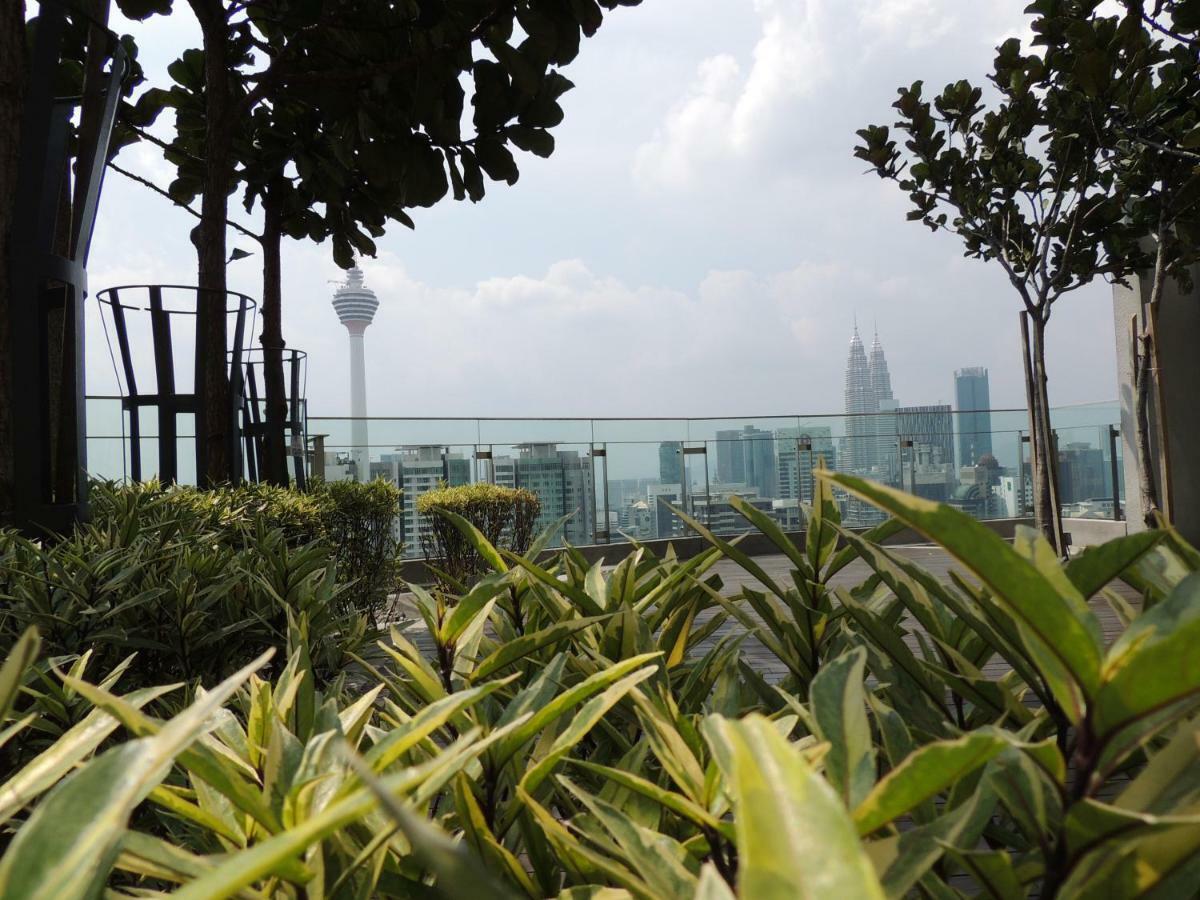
254	426
157	362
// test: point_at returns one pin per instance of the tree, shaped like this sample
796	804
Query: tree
1153	86
339	117
1136	83
1023	185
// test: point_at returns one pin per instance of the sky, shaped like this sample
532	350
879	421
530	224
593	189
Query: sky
700	243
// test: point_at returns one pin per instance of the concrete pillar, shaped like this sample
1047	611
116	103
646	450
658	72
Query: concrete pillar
1179	353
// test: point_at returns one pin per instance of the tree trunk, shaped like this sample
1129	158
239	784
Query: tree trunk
1041	501
1151	472
274	445
1047	484
12	92
1147	483
214	417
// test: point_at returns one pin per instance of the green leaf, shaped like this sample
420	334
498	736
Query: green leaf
19	659
839	708
1170	778
245	868
68	844
712	886
822	522
667	799
1062	636
772	531
476	602
582	723
656	858
928	772
1153	666
994	870
76	745
1098	565
579	597
460	874
480	544
518	648
795	839
565	701
903	859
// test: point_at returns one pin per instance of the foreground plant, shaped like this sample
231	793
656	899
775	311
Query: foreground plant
609	741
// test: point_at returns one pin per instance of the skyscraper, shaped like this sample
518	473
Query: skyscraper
355	305
931	429
747	456
797	452
884	422
731	457
870	411
758	454
860	403
670	462
563	481
974	415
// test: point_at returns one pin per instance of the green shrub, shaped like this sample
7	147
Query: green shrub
235	513
359	522
194	583
356	521
504	516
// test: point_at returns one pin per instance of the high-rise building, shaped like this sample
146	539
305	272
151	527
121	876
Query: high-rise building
758	454
929	427
659	500
563	481
731	457
1082	473
885	421
746	456
860	405
797	452
670	462
973	402
416	471
355	305
871	424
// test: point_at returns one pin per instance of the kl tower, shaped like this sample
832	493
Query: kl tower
355	305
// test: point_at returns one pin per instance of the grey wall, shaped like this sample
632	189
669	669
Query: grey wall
1179	348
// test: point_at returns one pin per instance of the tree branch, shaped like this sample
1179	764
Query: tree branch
154	187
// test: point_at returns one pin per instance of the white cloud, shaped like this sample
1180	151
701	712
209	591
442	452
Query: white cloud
728	113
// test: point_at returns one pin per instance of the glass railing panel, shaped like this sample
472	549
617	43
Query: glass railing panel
1089	484
620	476
640	462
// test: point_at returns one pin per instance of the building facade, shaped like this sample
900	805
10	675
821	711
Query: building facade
973	401
931	428
563	481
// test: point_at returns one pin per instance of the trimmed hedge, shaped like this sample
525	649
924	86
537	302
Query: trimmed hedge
355	520
504	516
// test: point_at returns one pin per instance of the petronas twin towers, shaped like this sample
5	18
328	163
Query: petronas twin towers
870	411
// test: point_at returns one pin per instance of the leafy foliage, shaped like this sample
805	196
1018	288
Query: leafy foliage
502	517
609	742
197	583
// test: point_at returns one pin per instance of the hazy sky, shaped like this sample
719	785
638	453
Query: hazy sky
698	244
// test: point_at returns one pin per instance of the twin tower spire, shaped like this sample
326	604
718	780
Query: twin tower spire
868	392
